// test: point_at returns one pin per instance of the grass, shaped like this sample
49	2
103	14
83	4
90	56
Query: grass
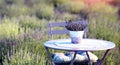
23	29
29	54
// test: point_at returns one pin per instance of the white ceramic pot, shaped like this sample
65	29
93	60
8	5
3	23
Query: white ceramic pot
76	36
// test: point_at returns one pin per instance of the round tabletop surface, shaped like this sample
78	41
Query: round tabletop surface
85	45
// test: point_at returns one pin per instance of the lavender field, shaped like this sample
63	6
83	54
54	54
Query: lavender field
23	27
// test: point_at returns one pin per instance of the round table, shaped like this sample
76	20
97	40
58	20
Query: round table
85	45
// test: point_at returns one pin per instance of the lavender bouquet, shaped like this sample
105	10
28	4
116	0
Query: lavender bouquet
75	25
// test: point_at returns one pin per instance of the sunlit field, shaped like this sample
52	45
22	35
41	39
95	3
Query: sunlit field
23	27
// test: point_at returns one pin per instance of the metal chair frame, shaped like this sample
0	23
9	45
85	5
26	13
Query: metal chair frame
52	32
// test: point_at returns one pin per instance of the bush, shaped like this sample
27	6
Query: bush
102	8
72	7
31	3
23	57
66	16
2	8
106	27
10	27
103	23
2	2
9	1
28	54
44	11
2	11
60	2
31	22
17	10
9	31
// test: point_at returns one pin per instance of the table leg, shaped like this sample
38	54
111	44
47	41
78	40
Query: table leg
49	56
72	61
90	63
100	61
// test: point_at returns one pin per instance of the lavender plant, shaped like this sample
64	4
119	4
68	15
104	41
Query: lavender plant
75	26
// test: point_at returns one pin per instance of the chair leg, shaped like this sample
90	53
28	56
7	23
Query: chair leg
101	60
49	56
72	61
90	63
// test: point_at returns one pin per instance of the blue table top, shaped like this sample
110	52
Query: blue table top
85	45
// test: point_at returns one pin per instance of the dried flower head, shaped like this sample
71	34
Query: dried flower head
75	25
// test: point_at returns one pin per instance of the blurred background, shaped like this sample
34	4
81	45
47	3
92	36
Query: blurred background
23	27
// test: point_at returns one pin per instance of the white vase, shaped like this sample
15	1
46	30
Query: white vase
76	36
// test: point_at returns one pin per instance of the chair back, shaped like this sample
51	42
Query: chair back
59	31
62	25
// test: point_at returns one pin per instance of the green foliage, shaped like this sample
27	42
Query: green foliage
105	25
102	8
59	2
32	3
4	50
31	22
1	2
2	11
23	57
35	3
8	29
17	10
29	54
9	1
44	11
66	16
30	32
2	8
72	7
